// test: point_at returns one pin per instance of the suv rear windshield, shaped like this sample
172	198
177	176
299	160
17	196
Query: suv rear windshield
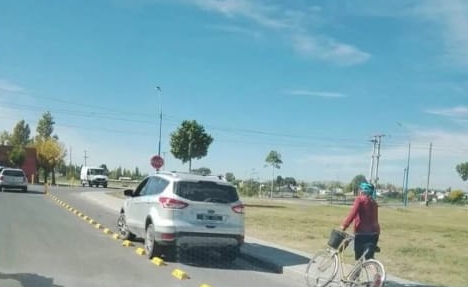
10	172
206	191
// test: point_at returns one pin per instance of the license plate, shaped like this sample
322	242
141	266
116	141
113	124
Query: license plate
209	217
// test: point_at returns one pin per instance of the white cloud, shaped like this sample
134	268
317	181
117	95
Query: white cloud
316	94
452	17
328	49
455	112
292	24
9	87
237	30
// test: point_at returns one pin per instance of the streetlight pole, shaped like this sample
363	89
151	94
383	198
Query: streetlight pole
158	89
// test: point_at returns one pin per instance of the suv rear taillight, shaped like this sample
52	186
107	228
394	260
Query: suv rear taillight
238	208
1	177
172	203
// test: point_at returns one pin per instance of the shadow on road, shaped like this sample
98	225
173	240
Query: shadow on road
28	280
396	284
19	191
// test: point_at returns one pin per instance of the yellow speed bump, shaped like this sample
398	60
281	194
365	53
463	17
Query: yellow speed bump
158	261
107	231
204	285
127	243
91	221
140	251
98	226
85	217
79	214
75	211
116	236
179	274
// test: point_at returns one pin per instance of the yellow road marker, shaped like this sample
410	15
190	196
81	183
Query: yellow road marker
179	274
127	243
204	285
116	236
158	261
98	226
140	251
107	231
91	221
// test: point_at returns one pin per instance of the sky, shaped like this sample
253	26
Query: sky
313	80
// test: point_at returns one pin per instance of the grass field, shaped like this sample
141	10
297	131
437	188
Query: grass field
428	245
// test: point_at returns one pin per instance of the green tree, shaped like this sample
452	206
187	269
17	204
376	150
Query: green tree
190	141
456	196
20	135
462	170
17	156
230	177
354	184
274	160
49	154
202	171
104	167
290	181
5	138
45	127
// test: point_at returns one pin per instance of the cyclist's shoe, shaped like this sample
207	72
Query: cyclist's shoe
377	249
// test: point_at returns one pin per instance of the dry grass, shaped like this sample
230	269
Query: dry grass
418	243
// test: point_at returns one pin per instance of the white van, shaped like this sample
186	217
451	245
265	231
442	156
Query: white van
93	176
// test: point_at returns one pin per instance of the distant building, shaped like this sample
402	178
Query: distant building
30	162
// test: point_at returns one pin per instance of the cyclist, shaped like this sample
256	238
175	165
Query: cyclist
365	215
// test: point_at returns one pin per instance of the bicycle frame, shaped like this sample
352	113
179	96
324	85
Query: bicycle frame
344	278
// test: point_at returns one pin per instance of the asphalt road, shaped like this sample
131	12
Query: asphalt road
45	245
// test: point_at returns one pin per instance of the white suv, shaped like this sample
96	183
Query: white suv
180	210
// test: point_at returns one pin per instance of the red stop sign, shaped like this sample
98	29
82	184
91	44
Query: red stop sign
157	162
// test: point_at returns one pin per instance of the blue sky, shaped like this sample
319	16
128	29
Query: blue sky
313	80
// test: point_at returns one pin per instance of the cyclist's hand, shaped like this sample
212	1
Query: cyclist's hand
342	228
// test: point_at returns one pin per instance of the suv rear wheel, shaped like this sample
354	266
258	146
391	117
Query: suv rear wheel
122	227
152	249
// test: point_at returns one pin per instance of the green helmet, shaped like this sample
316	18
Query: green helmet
367	188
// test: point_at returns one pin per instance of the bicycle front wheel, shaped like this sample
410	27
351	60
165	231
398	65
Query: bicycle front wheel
370	273
322	268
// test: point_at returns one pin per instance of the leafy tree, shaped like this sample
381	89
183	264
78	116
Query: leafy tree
462	170
274	160
290	181
202	171
354	184
230	177
190	141
49	154
21	133
279	180
4	138
455	196
17	156
104	167
45	127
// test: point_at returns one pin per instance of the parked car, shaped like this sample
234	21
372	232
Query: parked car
13	178
179	211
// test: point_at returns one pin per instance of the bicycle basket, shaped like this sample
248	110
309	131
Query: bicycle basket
336	237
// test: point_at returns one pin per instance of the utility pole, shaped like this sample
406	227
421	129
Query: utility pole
374	167
428	174
405	192
190	150
371	170
85	158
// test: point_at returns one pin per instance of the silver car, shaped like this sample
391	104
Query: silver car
13	178
174	211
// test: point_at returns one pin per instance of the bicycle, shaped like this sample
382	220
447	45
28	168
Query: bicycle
323	267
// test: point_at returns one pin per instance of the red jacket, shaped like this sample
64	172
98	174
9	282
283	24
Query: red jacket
365	215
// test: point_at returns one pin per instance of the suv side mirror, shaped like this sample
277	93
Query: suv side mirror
128	192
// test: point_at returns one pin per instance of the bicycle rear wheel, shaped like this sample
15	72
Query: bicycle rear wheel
322	268
370	273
